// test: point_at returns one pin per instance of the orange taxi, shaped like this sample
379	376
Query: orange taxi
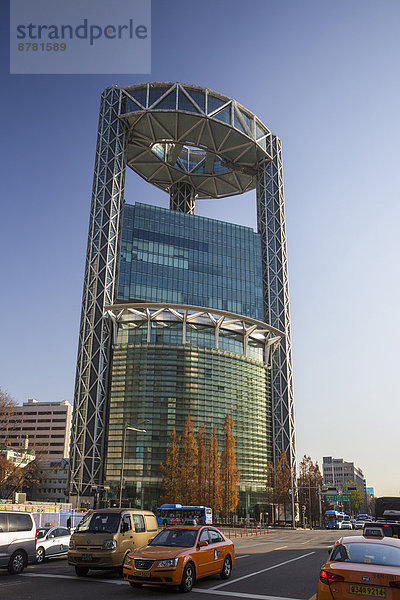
179	555
361	567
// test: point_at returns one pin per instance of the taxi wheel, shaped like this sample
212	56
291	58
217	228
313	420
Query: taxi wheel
135	584
188	578
40	555
227	568
81	571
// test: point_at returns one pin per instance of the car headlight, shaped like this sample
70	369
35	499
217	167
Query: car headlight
170	562
71	544
128	561
109	545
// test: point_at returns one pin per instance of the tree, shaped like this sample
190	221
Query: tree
188	464
201	492
170	485
310	480
229	474
356	497
214	494
282	482
269	483
7	412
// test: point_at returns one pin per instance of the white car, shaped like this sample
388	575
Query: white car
52	541
359	524
346	525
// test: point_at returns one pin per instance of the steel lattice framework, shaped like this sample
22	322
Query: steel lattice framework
272	227
192	143
182	197
90	406
219	320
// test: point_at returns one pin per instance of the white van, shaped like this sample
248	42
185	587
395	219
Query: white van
17	540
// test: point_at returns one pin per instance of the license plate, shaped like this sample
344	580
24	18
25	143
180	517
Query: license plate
141	574
367	590
86	556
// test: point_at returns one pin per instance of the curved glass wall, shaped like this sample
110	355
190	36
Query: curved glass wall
164	382
163	332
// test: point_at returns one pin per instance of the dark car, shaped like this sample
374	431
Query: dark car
388	529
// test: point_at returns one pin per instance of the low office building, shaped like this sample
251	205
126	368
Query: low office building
337	472
47	425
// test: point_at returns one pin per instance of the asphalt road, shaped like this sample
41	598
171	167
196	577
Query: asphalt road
283	565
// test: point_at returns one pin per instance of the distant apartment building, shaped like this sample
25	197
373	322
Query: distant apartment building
43	426
337	472
53	485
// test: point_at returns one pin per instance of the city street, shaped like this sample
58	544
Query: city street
281	565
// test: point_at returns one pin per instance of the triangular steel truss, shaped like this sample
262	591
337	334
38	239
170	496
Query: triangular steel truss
272	227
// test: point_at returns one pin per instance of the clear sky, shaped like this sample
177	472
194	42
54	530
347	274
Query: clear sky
324	77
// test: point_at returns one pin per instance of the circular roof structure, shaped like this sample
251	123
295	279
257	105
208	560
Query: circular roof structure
185	133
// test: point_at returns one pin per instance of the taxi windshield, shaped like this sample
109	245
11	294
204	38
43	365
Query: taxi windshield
99	523
369	554
41	533
185	538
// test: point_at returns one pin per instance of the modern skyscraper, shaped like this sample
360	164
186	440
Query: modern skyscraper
181	314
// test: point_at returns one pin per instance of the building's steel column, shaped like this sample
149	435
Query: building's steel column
90	406
271	226
182	197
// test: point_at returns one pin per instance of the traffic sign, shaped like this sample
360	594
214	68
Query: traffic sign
338	497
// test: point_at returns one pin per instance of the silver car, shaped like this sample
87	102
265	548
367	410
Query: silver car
52	541
346	525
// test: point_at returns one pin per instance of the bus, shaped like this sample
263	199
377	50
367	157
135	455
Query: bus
176	514
333	519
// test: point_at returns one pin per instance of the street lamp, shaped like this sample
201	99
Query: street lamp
123	457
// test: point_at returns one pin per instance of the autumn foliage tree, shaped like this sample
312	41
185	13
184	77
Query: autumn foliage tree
214	493
170	486
282	482
310	480
188	465
201	487
194	475
229	474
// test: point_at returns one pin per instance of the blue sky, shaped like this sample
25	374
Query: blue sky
324	77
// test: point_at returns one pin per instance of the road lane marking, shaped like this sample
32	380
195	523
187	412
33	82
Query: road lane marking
88	579
286	562
212	591
241	556
241	595
260	543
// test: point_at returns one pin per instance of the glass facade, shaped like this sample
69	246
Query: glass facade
168	256
160	374
164	383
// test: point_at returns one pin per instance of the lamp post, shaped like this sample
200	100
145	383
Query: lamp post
123	457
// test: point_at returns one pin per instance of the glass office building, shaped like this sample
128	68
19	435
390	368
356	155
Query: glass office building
181	314
181	259
168	256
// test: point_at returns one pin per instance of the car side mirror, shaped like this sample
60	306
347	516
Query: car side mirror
203	543
125	527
